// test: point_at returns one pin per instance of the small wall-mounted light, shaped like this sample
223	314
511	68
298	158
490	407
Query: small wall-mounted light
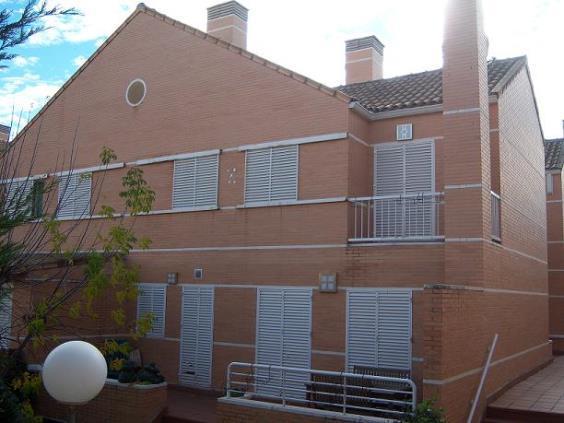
198	273
327	282
172	278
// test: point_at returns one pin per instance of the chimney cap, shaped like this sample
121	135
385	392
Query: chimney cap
226	9
365	42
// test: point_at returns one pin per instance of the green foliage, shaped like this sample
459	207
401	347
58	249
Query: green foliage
18	389
107	155
138	196
426	412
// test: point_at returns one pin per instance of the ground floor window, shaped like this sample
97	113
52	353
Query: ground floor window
379	328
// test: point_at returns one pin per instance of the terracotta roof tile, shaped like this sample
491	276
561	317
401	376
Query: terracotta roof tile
420	89
554	153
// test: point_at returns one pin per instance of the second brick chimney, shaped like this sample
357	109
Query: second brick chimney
364	59
228	21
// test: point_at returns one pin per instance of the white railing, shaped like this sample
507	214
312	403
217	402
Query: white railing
397	217
339	392
496	217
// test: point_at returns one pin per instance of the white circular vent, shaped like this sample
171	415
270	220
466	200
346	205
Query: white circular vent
135	93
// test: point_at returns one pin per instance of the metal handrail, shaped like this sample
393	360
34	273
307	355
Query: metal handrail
398	196
290	386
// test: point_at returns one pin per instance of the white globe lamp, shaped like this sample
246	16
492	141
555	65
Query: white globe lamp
74	373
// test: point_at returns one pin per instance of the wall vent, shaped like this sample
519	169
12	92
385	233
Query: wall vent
404	132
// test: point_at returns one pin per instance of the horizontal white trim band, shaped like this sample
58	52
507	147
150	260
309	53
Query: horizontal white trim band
295	141
479	369
482	289
366	59
556	270
291	202
24	178
172	157
221	28
459	111
553	201
463	186
90	169
465	239
556	296
556	242
331	353
241	248
357	139
233	344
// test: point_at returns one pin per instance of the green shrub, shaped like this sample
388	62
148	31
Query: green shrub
426	412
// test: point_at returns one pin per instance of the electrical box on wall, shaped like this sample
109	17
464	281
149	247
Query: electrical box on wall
198	273
172	278
327	282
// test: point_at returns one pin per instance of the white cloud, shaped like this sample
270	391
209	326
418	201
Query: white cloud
78	61
308	36
25	61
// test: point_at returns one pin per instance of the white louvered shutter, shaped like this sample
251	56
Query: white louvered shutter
5	319
74	195
196	341
17	193
362	328
152	299
195	182
379	328
419	169
271	174
389	169
394	329
283	339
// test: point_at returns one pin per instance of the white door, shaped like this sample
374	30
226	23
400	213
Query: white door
379	328
196	337
283	339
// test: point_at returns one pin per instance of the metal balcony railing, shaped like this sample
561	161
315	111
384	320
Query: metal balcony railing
339	392
496	217
397	218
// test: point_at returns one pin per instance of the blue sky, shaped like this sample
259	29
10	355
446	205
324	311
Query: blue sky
306	36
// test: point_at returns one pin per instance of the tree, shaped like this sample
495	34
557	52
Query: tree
56	271
16	27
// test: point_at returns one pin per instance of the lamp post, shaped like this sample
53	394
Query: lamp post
74	373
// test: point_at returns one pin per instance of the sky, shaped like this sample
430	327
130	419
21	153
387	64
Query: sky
305	36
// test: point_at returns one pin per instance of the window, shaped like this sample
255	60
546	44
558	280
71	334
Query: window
135	93
549	184
152	299
404	132
271	174
74	195
5	318
24	194
195	182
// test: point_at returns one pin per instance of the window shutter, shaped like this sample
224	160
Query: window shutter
283	338
74	195
394	329
271	174
17	193
419	169
284	173
5	319
379	328
362	328
196	344
389	167
195	182
152	299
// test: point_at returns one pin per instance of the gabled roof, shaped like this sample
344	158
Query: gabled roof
554	154
424	88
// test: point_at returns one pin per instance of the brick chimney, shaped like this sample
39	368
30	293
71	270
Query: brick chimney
364	59
466	137
228	21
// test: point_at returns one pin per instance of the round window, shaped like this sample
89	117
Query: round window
135	92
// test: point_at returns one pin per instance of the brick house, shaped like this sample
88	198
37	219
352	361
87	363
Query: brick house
554	161
385	223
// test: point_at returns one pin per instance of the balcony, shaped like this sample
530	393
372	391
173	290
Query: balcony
393	218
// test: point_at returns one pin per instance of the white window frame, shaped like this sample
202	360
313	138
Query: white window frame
399	128
152	286
549	183
269	200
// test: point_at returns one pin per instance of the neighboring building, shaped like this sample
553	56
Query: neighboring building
421	197
554	161
4	133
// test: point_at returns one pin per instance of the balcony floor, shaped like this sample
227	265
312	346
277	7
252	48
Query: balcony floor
185	405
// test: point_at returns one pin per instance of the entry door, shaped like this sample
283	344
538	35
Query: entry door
283	339
379	328
196	338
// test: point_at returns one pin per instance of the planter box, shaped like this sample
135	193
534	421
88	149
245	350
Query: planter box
118	402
